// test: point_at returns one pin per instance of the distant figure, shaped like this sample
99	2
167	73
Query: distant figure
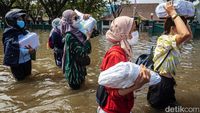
55	41
152	16
18	58
76	50
167	50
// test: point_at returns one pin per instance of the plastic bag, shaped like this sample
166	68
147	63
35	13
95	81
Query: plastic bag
87	25
183	8
123	75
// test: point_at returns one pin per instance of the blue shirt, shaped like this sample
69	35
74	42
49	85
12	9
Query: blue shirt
24	55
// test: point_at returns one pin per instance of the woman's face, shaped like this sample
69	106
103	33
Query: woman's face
75	17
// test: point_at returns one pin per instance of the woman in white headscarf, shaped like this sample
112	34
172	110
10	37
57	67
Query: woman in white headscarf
55	41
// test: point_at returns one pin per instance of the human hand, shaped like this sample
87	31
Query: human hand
88	35
143	77
86	16
170	8
30	49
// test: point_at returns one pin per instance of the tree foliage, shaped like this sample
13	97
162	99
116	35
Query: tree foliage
117	7
53	8
93	7
5	6
36	11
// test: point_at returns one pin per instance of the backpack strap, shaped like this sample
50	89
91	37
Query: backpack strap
162	61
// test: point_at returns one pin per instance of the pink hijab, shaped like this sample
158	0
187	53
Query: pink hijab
66	22
119	32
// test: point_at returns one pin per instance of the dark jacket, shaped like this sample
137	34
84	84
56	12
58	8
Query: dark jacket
56	40
11	46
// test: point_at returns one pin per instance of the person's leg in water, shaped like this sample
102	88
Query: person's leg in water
21	71
58	58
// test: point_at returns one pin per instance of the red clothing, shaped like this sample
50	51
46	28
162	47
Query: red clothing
115	102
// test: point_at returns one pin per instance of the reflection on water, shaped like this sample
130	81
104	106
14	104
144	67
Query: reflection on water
47	91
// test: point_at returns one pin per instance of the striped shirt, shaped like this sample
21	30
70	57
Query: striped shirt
74	72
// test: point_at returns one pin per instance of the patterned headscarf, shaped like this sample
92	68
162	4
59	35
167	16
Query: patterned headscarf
119	33
67	22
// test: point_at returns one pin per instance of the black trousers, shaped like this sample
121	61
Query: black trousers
21	71
58	54
162	94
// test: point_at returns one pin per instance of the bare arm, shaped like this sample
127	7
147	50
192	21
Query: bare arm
190	37
183	32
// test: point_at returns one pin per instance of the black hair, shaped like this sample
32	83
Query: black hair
170	23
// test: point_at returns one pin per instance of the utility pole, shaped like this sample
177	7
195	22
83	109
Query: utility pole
134	8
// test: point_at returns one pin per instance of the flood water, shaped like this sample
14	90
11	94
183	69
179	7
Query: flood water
46	91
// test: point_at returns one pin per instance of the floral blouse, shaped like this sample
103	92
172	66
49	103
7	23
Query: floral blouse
164	44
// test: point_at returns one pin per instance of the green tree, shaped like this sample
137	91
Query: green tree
53	8
117	7
94	7
5	6
30	6
22	4
36	10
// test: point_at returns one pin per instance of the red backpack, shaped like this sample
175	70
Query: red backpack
50	42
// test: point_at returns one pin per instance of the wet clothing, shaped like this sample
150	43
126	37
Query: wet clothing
56	39
58	54
57	45
162	94
21	71
115	102
73	52
14	56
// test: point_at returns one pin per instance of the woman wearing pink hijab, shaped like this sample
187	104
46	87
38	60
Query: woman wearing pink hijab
76	49
122	35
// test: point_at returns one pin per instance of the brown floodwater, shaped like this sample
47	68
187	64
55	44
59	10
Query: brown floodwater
46	91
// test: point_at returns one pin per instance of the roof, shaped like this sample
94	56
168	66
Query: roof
142	10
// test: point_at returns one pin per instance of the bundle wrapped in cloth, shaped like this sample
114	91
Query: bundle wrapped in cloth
123	75
183	8
87	25
31	39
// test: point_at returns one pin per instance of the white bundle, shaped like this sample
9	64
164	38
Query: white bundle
183	8
31	39
88	25
123	75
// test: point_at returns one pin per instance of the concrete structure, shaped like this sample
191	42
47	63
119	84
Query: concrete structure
143	11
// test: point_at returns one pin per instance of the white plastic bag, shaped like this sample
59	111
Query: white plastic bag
31	39
88	25
183	8
123	75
